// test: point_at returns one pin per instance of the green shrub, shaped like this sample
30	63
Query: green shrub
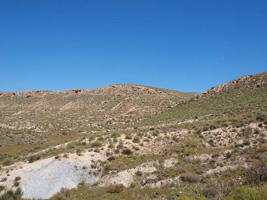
128	137
132	185
256	131
216	155
7	195
73	144
7	162
244	193
96	144
36	147
78	151
138	173
136	139
10	195
225	125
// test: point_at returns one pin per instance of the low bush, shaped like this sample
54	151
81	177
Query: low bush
111	158
10	195
190	178
210	192
96	144
136	139
33	158
73	144
132	185
257	174
7	162
16	183
256	131
118	188
127	152
107	168
244	193
138	173
128	137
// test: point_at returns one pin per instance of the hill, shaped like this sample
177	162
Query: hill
240	98
49	114
136	142
42	110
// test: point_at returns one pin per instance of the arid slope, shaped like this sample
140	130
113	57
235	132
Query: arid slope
43	110
137	142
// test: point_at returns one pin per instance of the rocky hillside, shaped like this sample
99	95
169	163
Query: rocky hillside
49	118
44	110
136	142
238	85
236	99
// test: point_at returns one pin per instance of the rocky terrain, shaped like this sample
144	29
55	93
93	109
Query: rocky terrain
116	104
135	142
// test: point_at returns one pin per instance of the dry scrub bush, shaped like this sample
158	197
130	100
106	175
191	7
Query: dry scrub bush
115	188
190	178
257	174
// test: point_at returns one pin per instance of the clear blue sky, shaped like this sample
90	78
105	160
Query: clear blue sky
186	45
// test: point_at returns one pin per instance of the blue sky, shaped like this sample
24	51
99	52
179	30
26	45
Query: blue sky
186	45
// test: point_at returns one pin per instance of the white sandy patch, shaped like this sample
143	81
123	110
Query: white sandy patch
45	177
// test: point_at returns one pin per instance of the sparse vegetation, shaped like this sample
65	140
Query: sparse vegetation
7	162
257	174
10	195
210	147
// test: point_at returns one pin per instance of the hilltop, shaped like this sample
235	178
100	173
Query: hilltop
236	99
43	110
